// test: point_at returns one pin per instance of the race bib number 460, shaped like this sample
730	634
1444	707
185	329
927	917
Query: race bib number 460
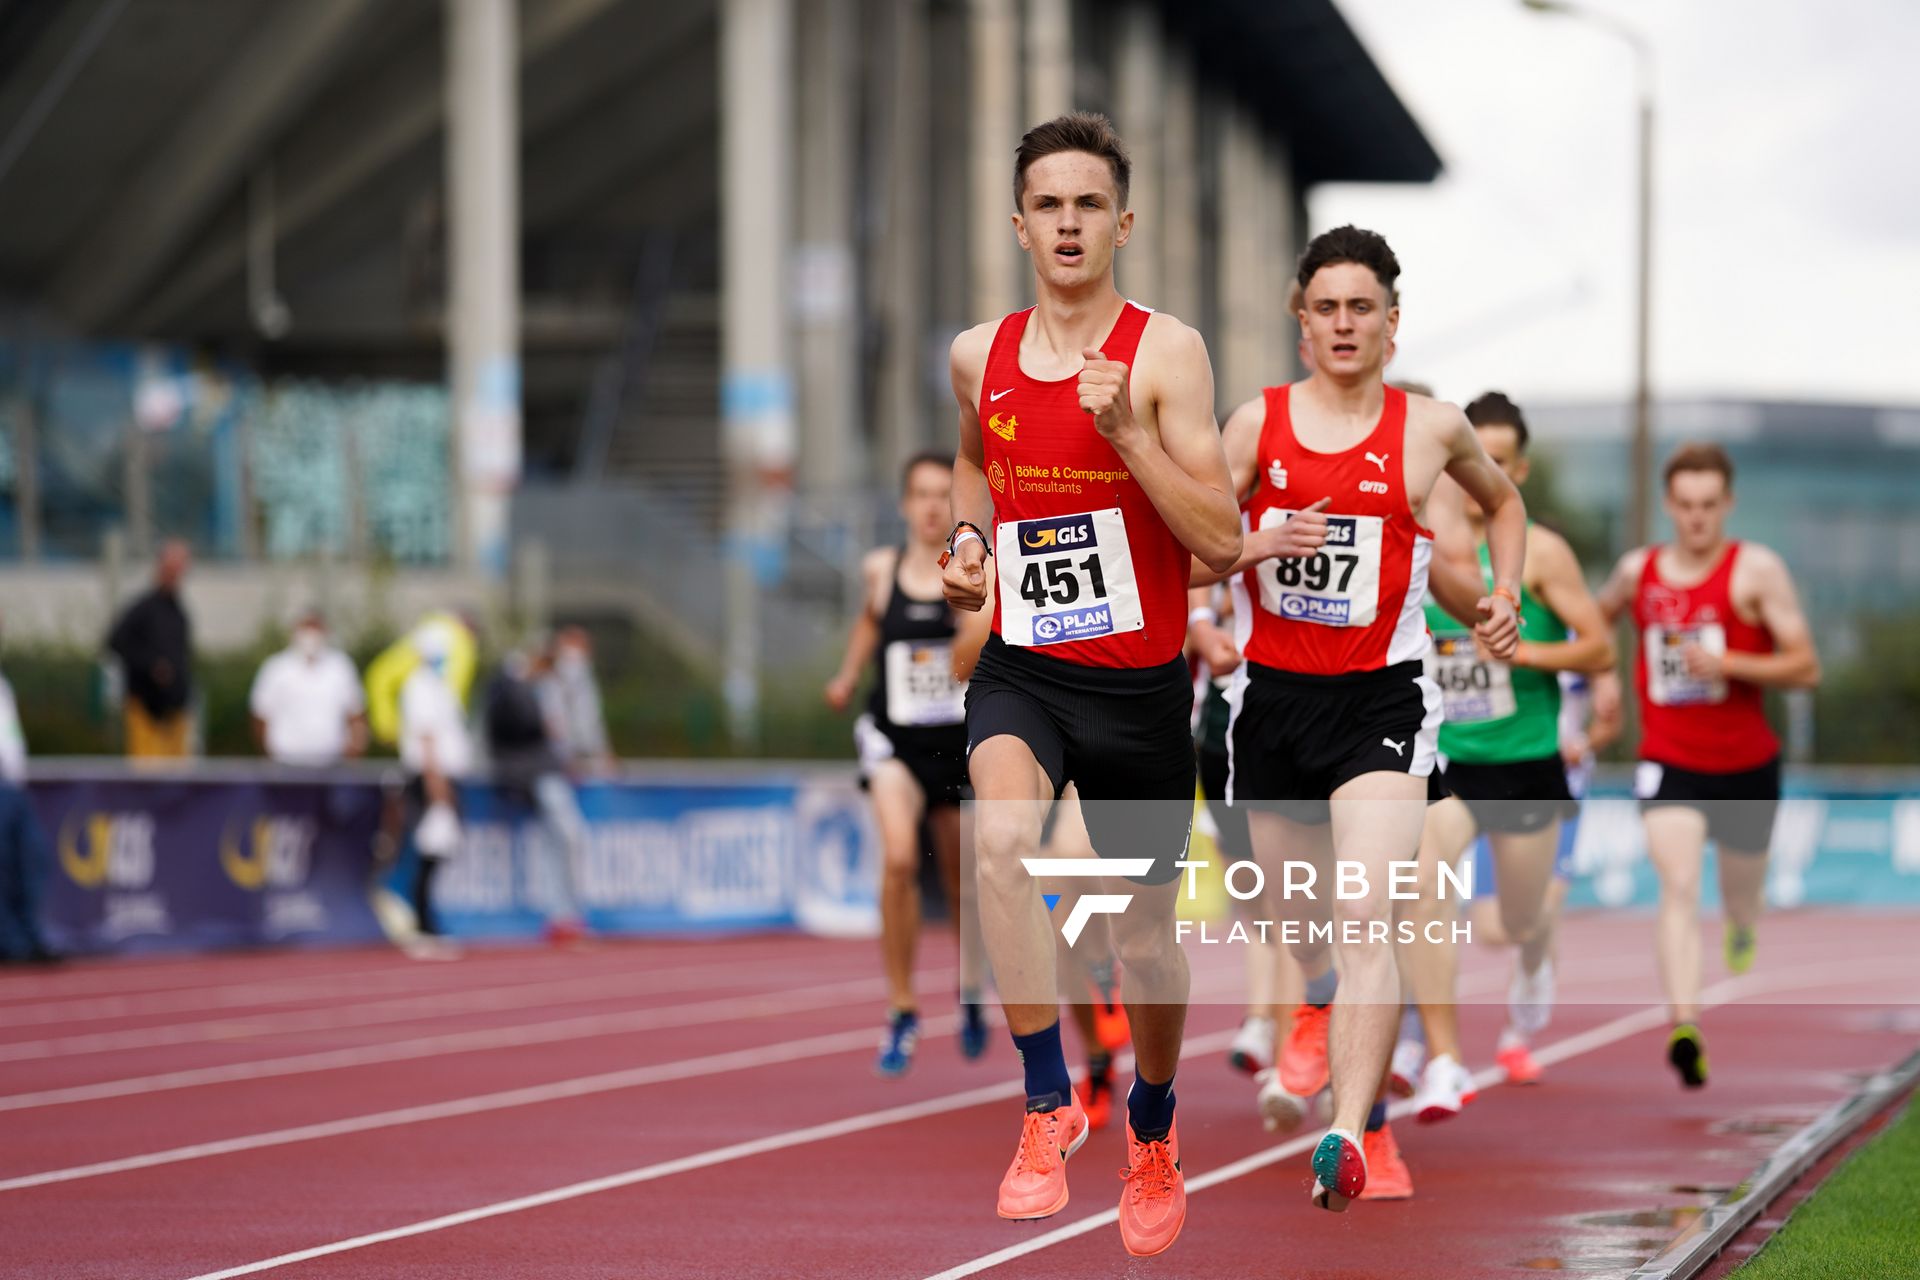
1066	578
1336	586
1669	683
1472	688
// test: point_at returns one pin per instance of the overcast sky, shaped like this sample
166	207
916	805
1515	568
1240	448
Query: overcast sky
1787	218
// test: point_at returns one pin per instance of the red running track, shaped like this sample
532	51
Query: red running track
693	1109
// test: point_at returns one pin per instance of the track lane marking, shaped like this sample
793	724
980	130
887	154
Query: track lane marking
1613	1031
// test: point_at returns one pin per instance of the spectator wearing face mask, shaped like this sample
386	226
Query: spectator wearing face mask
436	751
23	848
308	708
571	697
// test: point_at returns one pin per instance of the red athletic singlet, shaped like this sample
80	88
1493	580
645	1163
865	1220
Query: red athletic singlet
1356	604
1709	726
1088	571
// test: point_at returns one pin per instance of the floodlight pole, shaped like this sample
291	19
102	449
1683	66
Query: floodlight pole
1640	516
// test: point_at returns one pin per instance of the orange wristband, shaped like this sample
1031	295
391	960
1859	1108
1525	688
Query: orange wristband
1511	598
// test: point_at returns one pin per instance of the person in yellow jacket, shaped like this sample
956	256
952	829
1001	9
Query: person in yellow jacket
388	672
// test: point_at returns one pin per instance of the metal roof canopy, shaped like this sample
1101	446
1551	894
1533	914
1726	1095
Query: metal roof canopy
1311	82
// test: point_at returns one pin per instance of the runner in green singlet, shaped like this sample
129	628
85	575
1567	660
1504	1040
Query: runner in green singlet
1500	747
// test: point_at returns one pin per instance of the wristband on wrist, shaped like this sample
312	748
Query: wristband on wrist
1510	598
961	532
1203	613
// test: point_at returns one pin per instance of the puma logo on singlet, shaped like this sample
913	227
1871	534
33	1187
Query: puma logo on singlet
993	397
1399	748
1379	460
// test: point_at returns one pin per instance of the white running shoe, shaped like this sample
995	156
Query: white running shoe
1252	1049
1280	1111
1530	999
1445	1088
1408	1057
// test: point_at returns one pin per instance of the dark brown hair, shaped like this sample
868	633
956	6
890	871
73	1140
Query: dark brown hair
1087	131
925	458
1698	456
1494	409
1351	244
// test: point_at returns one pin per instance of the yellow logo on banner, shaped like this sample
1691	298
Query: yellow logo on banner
1043	537
247	872
276	853
86	863
112	849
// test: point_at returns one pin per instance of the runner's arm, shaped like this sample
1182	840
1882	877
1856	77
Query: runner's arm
1564	590
1793	664
864	637
1616	593
1608	716
970	636
1505	516
1240	444
965	579
1454	579
1184	472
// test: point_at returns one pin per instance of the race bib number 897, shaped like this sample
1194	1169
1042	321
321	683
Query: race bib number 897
1337	586
1066	578
1669	683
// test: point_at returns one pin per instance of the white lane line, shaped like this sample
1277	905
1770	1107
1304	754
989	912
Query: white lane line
580	1087
1192	1047
559	1090
693	1013
404	975
1621	1028
552	991
864	1123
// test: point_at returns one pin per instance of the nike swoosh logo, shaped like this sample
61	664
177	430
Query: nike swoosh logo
994	398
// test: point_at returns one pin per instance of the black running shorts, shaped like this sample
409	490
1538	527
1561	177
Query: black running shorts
1121	736
1740	807
935	757
1229	820
1296	739
1516	798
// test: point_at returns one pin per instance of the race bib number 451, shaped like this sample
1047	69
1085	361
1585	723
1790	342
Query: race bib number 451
1066	578
1336	586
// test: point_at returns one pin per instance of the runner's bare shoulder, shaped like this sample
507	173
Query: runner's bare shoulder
967	361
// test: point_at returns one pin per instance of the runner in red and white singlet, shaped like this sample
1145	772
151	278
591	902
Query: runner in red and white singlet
1089	468
1718	623
1332	743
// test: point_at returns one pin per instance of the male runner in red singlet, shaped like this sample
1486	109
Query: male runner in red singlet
1718	622
1334	720
1089	467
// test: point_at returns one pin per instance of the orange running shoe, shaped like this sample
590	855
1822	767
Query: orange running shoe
1096	1099
1303	1058
1387	1175
1036	1181
1153	1207
1517	1061
1110	1023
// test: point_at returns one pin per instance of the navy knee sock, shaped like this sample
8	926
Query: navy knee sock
1377	1118
1320	990
1150	1109
1045	1064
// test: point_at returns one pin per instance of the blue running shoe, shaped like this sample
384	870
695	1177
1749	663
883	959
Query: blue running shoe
973	1031
896	1050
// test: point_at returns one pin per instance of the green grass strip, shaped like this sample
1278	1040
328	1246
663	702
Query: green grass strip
1863	1221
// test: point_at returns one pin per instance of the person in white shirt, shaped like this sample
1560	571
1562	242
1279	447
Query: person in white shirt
23	851
307	705
436	750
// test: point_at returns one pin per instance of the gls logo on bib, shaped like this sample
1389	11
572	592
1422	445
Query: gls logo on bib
1060	533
